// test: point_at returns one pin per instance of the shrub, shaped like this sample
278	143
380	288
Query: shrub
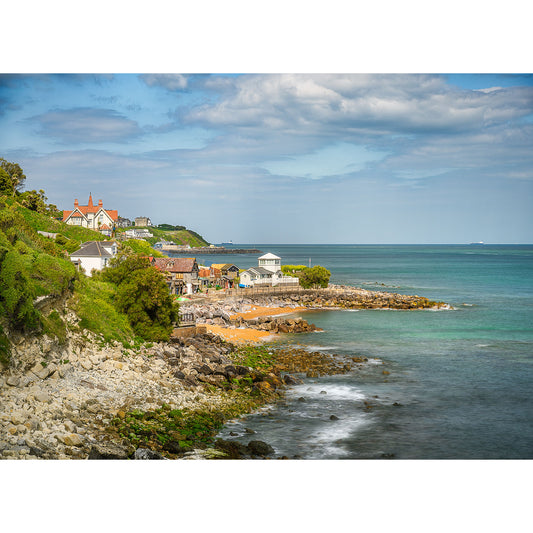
315	277
145	299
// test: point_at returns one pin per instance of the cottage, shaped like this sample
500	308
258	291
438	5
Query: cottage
181	273
90	216
227	269
267	273
94	255
123	222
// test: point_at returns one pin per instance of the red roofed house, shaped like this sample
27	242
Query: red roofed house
181	273
91	216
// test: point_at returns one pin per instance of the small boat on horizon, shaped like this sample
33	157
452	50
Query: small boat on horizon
477	243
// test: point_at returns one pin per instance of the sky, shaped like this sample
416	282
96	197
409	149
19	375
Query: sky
284	158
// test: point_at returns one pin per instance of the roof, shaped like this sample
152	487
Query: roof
89	208
92	249
269	256
259	270
104	226
175	264
223	266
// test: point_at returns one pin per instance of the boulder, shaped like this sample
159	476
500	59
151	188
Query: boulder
108	451
260	448
146	454
176	447
42	372
70	439
233	449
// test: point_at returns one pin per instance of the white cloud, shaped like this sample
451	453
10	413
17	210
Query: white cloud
87	125
171	82
359	103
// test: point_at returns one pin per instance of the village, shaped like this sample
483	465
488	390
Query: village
184	276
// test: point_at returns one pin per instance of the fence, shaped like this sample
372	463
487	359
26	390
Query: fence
278	289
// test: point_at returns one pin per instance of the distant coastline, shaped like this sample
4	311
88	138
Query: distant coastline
210	250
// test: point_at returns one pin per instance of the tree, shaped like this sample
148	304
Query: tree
122	267
145	299
315	277
15	173
6	185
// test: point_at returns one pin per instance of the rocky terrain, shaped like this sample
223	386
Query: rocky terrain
68	400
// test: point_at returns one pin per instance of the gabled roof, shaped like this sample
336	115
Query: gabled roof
104	226
175	264
269	256
92	249
90	208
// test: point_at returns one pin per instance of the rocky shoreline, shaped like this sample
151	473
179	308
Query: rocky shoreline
84	399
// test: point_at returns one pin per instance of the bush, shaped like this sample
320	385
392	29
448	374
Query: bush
315	277
145	299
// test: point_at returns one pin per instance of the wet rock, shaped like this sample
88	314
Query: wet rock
249	431
176	447
397	404
260	448
302	399
146	454
233	449
333	417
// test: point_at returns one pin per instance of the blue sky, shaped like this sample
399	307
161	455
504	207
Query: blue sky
285	158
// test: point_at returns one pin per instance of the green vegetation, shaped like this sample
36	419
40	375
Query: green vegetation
261	357
141	293
30	266
155	429
54	326
170	227
293	270
93	302
315	277
310	278
140	246
5	351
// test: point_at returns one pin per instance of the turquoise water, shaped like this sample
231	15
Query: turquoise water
461	379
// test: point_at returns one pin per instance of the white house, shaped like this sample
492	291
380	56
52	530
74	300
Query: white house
268	272
138	234
94	255
90	215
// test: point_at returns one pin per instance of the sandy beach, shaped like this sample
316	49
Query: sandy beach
249	335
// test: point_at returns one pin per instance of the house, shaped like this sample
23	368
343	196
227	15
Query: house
94	255
267	273
142	222
137	234
227	269
123	222
106	230
90	216
181	273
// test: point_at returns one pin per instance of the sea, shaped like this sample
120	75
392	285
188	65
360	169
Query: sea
439	384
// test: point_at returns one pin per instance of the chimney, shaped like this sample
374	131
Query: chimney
100	203
76	202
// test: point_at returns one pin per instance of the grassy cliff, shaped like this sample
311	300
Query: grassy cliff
36	269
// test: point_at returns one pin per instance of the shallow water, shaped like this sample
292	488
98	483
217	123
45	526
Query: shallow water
461	379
